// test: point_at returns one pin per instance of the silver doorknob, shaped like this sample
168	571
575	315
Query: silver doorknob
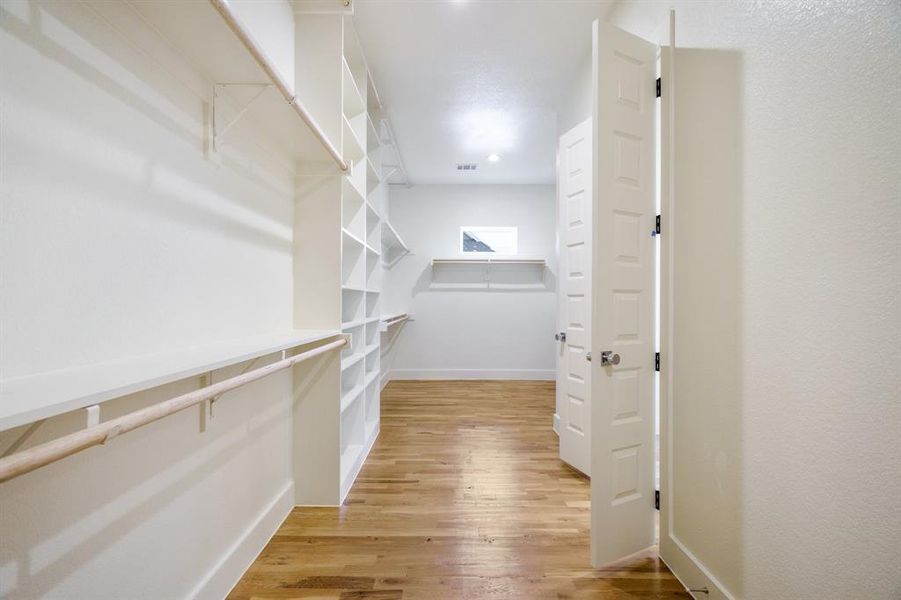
608	357
588	356
560	337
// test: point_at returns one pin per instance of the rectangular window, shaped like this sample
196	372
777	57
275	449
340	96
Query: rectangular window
498	240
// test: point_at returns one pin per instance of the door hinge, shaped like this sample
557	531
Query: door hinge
657	225
657	361
658	87
657	499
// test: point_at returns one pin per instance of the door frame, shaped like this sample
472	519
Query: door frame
686	567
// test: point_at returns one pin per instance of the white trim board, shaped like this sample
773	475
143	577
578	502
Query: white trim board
452	374
690	571
223	576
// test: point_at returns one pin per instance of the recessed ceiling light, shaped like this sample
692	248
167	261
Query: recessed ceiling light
493	157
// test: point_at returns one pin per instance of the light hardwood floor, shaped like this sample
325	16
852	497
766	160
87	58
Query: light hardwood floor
462	497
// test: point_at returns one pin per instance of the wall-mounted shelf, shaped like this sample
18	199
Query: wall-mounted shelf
537	262
42	395
193	28
509	273
393	246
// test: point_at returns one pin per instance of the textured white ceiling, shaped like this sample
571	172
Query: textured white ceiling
462	79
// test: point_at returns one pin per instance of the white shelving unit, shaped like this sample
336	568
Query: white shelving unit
338	240
361	270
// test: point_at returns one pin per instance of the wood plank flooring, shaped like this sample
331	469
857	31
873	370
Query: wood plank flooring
462	497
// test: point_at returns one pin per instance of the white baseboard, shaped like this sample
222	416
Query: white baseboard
557	424
449	374
690	571
219	580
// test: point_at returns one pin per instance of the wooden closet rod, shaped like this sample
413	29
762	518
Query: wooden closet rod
396	320
223	8
28	460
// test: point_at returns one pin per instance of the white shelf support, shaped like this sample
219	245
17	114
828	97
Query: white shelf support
219	133
92	415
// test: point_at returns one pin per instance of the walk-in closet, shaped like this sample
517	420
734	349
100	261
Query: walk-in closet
449	299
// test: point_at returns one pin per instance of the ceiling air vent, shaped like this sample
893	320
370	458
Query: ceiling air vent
467	166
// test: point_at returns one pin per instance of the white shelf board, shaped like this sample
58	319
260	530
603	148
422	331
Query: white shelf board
371	209
349	457
370	378
351	396
199	34
354	151
43	395
352	360
373	131
372	250
348	234
351	288
392	239
353	99
350	191
373	179
369	349
493	261
373	320
351	324
370	426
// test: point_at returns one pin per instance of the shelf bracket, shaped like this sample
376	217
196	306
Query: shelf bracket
220	129
22	438
92	415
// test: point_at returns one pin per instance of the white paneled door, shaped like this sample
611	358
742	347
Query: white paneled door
622	336
574	196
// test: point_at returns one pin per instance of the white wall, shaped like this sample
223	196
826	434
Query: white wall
119	238
272	26
459	333
576	104
787	265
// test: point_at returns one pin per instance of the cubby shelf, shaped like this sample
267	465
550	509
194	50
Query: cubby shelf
353	103
354	149
351	236
349	458
372	174
352	360
372	212
351	396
